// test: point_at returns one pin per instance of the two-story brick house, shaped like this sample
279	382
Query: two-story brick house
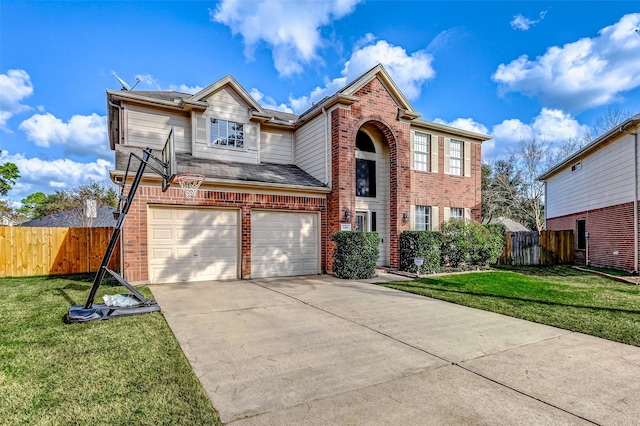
279	185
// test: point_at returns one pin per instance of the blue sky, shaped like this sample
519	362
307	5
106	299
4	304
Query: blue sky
513	70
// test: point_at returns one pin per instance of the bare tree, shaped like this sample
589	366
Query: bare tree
612	117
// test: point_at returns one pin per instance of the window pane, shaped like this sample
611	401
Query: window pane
365	178
421	147
457	213
227	133
423	218
455	157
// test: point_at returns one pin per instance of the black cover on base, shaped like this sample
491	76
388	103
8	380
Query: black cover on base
103	312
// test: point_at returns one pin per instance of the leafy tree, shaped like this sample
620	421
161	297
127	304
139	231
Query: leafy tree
38	204
9	173
8	214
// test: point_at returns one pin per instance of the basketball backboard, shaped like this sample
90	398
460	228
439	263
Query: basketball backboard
169	161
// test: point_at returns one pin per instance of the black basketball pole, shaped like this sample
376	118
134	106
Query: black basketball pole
146	153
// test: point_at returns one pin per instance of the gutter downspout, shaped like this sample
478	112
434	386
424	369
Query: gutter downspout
635	198
121	240
326	177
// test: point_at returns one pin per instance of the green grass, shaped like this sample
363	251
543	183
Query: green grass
558	296
123	371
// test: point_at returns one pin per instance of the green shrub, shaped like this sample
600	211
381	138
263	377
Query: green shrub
356	254
468	242
495	244
424	244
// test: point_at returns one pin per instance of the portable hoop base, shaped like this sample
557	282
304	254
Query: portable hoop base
189	182
104	312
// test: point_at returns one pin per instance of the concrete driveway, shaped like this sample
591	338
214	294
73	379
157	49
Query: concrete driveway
320	350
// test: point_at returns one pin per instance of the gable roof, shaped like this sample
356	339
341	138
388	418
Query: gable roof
235	86
346	95
73	219
509	224
633	121
381	73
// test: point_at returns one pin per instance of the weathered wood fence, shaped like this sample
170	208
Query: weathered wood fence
537	248
33	251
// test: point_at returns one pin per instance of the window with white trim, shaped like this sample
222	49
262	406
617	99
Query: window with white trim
227	133
421	152
456	213
456	149
422	219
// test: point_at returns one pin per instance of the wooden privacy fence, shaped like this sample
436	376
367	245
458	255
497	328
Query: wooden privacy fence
537	248
32	251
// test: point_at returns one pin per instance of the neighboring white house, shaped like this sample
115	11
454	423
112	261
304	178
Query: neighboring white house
594	192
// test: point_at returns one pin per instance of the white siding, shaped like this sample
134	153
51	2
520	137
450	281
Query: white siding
311	148
276	147
149	127
225	105
605	179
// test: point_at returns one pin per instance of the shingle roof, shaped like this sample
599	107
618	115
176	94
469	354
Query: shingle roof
73	219
509	224
281	174
164	95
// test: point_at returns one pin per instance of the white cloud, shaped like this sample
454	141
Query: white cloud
551	125
15	86
60	174
409	71
268	102
522	23
183	88
584	74
512	130
291	29
467	124
82	135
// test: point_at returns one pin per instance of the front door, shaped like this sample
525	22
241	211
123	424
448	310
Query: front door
362	222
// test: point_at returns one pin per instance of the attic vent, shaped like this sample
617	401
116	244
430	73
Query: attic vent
576	167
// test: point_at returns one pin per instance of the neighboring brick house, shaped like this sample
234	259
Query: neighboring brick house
279	185
594	192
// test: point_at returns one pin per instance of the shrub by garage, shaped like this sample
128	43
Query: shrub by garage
356	254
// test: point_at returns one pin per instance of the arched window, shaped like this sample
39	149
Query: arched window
365	169
364	142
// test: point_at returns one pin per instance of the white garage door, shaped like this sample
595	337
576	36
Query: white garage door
284	243
187	244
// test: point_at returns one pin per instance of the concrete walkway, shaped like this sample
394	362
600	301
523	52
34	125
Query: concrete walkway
320	350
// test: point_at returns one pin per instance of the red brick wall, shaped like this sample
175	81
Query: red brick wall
376	107
134	234
610	229
439	189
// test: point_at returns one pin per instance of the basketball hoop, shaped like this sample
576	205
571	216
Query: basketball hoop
189	182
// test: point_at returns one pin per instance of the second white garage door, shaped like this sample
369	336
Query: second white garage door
187	244
284	244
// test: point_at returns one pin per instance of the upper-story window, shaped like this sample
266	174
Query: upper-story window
365	167
455	157
227	133
421	152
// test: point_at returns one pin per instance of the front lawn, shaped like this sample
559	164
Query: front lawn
558	296
127	370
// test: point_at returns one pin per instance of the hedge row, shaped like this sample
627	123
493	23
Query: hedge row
459	243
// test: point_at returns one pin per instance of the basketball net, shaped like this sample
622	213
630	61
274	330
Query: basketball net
190	182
